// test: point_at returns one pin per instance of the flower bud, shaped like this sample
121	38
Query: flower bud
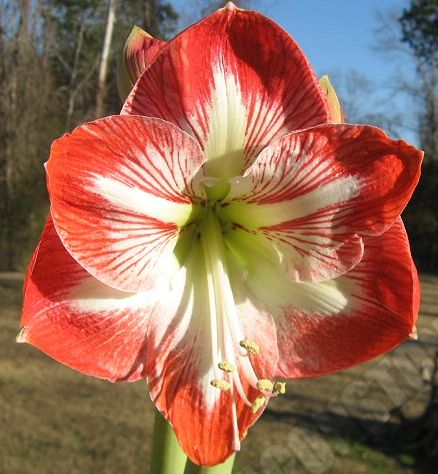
335	106
139	52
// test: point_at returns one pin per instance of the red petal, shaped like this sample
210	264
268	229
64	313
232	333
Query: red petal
315	193
382	299
79	321
119	189
235	81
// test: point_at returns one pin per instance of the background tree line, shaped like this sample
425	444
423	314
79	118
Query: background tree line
419	43
53	76
57	69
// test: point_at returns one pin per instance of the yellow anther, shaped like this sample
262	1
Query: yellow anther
258	403
280	388
226	366
265	385
221	384
250	346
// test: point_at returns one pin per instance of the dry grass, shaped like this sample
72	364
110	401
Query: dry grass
54	420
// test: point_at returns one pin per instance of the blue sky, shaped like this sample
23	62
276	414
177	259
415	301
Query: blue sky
336	34
339	36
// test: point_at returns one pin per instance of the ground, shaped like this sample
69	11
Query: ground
55	420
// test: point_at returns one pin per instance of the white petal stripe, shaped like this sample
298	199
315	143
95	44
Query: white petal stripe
254	215
135	200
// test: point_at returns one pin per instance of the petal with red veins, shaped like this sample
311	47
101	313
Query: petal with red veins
78	320
312	195
332	325
120	190
184	357
235	81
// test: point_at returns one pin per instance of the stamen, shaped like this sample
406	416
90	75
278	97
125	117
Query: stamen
229	348
258	403
229	354
265	385
221	384
236	437
239	388
226	366
280	387
250	346
213	325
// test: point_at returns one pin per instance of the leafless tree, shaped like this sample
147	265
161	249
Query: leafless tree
413	77
104	59
25	106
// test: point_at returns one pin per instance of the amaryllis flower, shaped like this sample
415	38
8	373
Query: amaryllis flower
221	235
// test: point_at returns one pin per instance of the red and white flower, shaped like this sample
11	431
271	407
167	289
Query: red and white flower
221	234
